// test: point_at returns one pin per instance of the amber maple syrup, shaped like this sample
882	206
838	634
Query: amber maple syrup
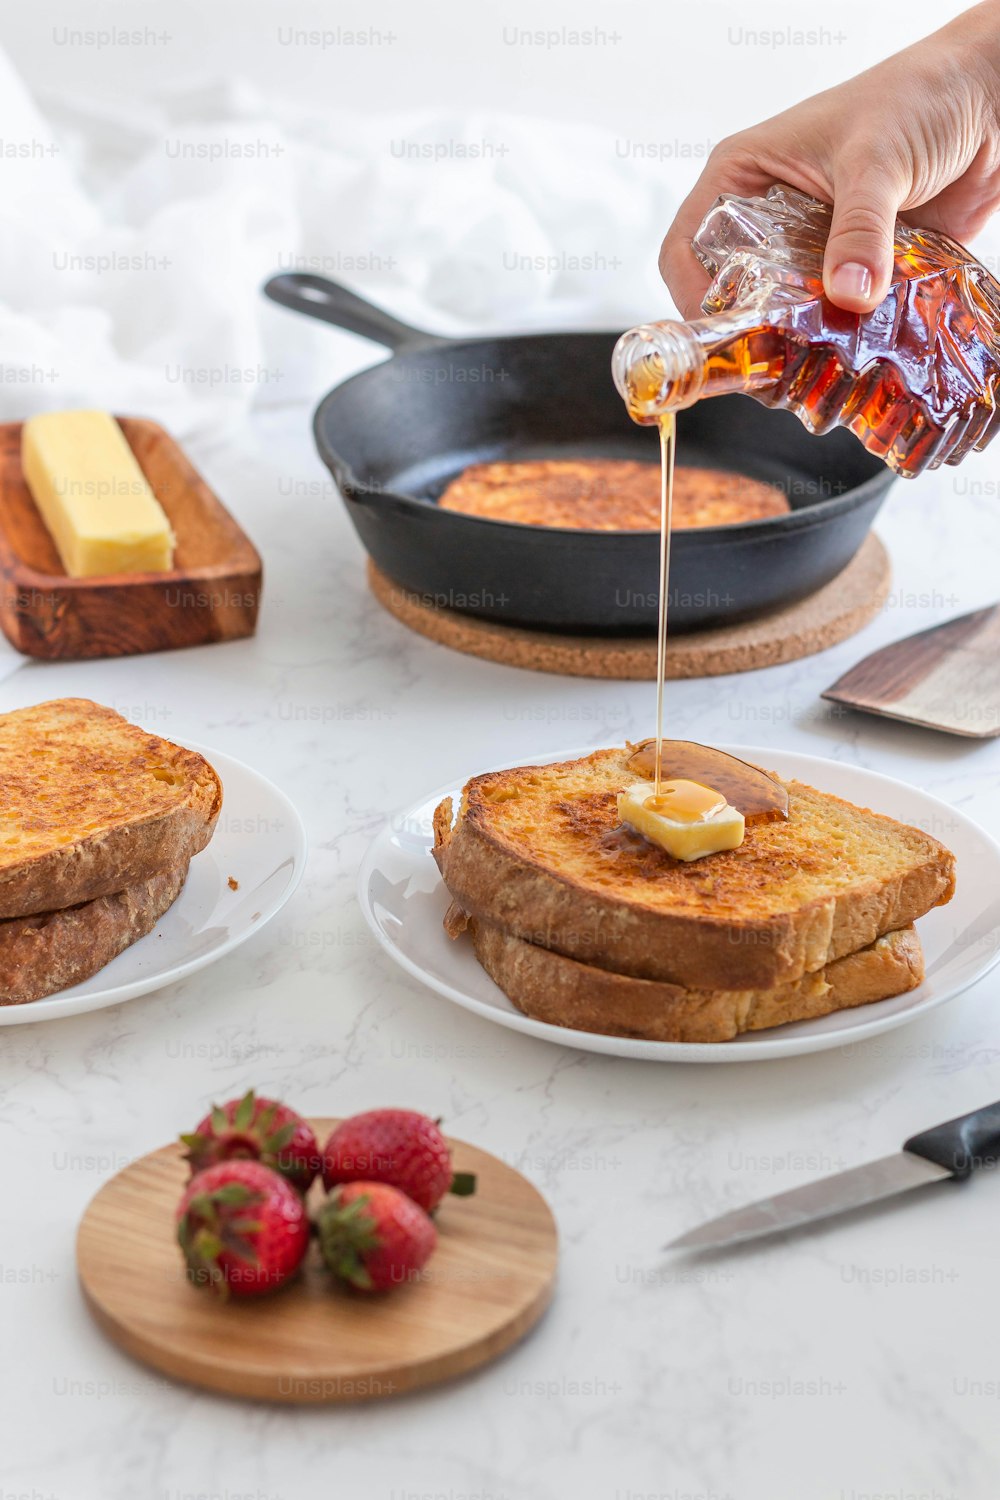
750	790
917	380
668	443
686	801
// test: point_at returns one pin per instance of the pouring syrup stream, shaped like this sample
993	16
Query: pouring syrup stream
668	430
760	797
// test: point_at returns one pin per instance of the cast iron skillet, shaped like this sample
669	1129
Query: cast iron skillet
394	435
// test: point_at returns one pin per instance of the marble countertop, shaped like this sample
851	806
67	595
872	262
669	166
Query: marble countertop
856	1360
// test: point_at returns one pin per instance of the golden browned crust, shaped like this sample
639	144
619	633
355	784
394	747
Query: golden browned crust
92	804
52	950
538	851
606	494
563	992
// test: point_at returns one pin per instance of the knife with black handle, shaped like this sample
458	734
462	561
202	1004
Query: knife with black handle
963	1145
953	1150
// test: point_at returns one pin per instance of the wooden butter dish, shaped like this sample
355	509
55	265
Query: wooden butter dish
211	594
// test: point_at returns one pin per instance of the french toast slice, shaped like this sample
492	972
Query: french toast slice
538	851
608	494
91	804
564	992
50	951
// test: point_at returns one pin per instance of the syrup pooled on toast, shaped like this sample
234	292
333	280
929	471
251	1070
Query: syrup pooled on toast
750	790
686	801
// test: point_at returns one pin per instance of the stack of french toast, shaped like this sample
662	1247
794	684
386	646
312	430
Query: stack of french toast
99	821
584	923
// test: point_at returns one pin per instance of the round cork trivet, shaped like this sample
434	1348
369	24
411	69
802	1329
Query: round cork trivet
836	611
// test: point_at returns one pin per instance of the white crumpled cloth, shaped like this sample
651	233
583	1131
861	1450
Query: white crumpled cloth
134	242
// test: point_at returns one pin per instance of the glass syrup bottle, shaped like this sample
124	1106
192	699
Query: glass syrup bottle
916	380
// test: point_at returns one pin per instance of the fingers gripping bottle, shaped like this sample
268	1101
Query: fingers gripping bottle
916	380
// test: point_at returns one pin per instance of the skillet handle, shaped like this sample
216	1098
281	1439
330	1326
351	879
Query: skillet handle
318	297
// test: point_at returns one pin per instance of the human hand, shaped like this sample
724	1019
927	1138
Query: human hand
917	132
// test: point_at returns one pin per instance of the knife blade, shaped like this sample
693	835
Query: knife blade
953	1150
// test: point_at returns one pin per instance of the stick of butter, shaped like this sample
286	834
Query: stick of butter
689	821
93	497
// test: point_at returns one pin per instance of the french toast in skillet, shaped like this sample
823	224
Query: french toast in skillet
608	494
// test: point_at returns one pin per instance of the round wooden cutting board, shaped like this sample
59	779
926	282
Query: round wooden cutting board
487	1284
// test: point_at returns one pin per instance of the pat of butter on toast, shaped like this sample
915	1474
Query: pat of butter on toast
714	826
92	495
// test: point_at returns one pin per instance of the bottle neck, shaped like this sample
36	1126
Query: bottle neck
662	367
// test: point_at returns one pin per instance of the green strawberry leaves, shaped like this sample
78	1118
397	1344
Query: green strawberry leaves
217	1222
346	1232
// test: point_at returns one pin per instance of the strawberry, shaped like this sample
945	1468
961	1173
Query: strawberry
398	1146
242	1227
255	1129
373	1237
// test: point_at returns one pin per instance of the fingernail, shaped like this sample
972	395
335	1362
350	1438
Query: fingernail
851	280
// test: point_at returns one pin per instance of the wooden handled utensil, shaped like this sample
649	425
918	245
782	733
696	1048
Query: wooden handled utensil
945	678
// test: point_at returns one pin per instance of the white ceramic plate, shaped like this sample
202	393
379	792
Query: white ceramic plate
404	903
259	841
